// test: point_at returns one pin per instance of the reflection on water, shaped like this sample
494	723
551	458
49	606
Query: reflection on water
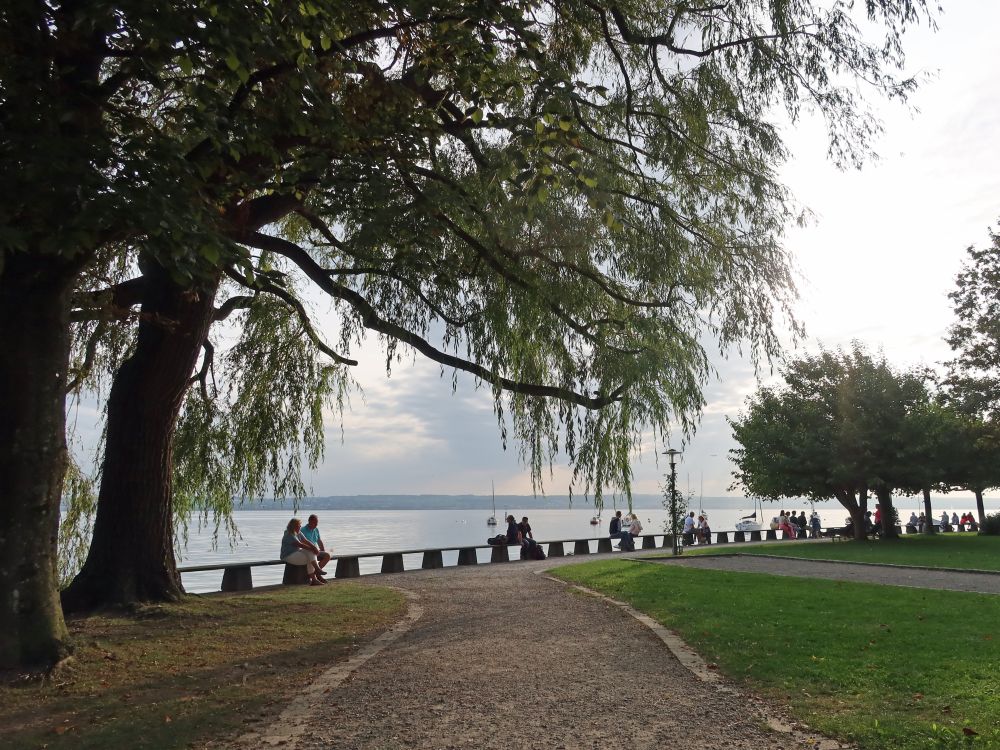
358	531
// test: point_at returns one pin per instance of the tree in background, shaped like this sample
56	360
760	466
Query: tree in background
972	386
567	195
834	428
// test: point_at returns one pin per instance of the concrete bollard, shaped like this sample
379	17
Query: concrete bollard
392	563
295	574
499	554
739	536
772	534
238	578
649	542
468	556
432	560
347	567
556	549
581	547
604	545
722	537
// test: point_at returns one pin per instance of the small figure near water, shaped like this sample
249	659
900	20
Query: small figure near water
704	530
297	550
311	532
913	524
628	536
688	532
615	527
814	524
945	526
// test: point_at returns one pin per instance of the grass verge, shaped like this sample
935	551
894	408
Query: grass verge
168	676
881	666
967	551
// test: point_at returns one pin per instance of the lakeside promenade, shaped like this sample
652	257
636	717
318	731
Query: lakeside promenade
502	656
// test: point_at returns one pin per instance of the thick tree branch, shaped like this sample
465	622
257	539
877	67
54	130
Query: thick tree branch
371	320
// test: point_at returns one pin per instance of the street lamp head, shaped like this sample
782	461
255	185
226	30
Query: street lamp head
672	452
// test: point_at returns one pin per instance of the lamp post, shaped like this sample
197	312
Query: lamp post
673	453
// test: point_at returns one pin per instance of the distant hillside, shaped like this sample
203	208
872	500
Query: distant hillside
473	502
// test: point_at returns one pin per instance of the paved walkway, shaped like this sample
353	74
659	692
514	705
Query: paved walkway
892	575
502	657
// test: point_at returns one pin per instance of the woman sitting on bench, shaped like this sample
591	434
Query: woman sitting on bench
297	550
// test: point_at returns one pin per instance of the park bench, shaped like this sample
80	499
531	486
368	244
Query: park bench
237	575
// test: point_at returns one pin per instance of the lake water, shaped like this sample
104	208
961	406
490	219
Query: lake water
358	531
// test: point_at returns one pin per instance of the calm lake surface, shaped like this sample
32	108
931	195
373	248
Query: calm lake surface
357	531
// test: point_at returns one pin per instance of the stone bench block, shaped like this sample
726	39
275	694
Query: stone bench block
802	534
392	563
649	542
581	547
295	574
739	536
499	554
432	560
722	537
237	578
347	567
556	549
603	545
771	535
467	556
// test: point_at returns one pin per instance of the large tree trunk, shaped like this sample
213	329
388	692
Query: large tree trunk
850	503
888	513
131	557
928	513
34	341
980	508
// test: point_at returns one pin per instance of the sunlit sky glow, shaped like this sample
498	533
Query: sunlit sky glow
876	265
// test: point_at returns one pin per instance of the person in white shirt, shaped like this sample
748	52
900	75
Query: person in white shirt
689	525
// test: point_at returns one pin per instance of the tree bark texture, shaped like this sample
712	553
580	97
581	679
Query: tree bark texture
131	557
888	513
980	508
928	513
856	511
34	338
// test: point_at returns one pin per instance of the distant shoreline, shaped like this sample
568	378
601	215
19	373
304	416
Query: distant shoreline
529	502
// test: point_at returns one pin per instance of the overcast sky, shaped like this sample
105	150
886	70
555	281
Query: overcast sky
876	265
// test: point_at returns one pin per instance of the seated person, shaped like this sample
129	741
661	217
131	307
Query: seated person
814	525
628	536
687	533
785	527
525	528
912	524
869	524
615	528
945	525
704	530
297	550
973	524
513	532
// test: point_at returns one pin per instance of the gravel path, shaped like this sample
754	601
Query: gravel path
503	658
892	575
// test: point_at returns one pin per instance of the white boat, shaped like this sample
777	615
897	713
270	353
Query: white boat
492	520
750	523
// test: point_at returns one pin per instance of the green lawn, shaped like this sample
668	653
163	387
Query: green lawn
885	667
937	551
172	676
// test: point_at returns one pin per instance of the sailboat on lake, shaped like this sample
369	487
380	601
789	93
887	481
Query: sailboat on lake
752	522
492	520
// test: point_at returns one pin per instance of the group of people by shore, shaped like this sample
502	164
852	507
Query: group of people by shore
625	530
791	524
